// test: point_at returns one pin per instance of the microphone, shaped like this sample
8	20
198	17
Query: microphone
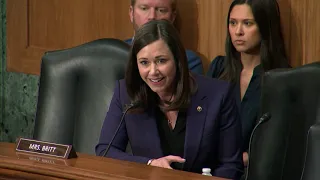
264	118
127	108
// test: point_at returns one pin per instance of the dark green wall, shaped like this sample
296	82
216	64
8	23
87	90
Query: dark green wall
18	94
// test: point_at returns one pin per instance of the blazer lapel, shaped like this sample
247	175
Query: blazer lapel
152	138
196	116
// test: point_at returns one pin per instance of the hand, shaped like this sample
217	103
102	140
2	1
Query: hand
245	158
165	162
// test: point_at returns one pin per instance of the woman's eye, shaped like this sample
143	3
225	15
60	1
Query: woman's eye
144	62
160	61
232	22
248	23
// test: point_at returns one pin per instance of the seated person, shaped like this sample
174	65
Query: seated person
185	121
142	11
254	45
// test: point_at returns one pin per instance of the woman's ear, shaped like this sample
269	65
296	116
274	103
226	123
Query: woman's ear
131	13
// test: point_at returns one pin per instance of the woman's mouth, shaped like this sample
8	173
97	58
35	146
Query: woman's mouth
156	81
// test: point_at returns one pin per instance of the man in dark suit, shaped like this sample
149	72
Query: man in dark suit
143	11
185	121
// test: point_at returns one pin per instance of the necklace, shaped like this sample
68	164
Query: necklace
170	124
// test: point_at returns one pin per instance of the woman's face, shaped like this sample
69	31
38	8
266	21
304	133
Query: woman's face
157	67
243	29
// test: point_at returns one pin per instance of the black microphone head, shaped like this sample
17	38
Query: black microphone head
132	105
135	104
265	117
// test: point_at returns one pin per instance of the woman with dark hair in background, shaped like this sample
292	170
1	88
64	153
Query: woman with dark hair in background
185	121
254	45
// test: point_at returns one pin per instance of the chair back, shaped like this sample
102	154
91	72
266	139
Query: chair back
279	146
76	87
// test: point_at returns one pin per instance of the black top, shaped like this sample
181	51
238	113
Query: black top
250	104
172	141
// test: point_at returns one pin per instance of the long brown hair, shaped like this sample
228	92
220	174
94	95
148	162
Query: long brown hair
272	49
184	85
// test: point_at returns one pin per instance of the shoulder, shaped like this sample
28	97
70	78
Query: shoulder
216	67
213	92
194	62
191	54
122	87
121	91
211	86
122	84
129	41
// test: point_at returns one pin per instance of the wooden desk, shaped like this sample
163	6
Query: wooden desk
15	165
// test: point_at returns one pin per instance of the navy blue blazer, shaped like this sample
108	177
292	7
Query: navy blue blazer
194	61
213	134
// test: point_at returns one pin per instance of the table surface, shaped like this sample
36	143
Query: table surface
14	164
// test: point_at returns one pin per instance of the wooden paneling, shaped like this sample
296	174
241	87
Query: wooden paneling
202	25
296	31
61	24
36	26
212	26
312	29
286	24
304	31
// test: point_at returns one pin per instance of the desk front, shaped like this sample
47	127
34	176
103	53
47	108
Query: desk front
16	165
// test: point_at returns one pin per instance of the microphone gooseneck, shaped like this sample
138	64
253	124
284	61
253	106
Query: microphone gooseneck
128	107
264	118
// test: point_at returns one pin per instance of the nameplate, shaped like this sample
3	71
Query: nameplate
45	148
